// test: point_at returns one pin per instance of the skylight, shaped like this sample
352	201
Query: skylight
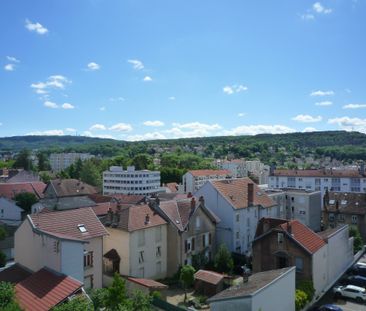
331	202
82	228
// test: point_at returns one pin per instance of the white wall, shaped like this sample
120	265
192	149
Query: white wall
72	254
320	265
9	210
96	246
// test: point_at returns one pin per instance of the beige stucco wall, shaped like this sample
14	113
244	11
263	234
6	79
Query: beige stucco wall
96	246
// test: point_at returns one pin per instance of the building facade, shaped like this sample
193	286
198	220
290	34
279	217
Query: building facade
61	161
130	181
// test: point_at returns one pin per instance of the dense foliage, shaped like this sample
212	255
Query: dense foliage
300	299
187	278
25	200
357	239
223	260
7	297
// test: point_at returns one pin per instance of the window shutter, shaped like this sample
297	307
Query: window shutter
209	238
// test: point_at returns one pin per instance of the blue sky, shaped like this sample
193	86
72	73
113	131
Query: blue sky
133	69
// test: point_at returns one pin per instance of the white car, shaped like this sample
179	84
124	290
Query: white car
351	291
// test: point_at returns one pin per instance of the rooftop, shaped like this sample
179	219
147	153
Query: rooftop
197	173
148	283
346	202
318	173
14	274
9	190
71	187
207	276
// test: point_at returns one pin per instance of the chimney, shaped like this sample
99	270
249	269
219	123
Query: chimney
147	219
193	203
250	194
202	200
189	195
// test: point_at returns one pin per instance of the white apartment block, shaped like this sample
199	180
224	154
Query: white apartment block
195	179
337	180
130	181
61	161
237	167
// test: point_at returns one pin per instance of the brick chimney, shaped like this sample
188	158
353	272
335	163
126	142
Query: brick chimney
193	203
250	194
202	200
147	219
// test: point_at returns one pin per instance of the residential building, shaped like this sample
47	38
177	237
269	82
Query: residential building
61	161
303	205
239	203
116	180
10	190
195	179
321	258
191	231
345	208
69	242
208	283
259	170
23	176
137	243
339	180
61	188
264	291
42	290
237	167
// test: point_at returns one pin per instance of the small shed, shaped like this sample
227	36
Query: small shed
208	283
147	286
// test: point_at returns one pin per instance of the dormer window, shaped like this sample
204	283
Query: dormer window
82	228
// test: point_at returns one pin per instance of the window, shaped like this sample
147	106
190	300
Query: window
237	217
88	259
82	228
237	234
198	222
141	256
204	240
280	238
331	217
2	212
141	238
158	251
299	262
158	234
354	219
341	217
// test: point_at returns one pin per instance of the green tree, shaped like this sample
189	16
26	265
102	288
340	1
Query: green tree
25	200
116	293
142	161
300	299
77	304
187	278
45	177
140	301
98	297
78	166
43	163
357	239
22	160
223	260
7	297
90	174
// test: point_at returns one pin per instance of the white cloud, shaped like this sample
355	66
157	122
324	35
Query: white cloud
350	124
154	123
241	114
309	129
231	89
258	129
193	129
137	64
98	127
47	133
121	127
324	103
198	126
37	27
12	59
52	82
9	67
67	106
321	93
147	79
50	104
93	66
171	98
354	106
70	129
305	118
146	136
320	9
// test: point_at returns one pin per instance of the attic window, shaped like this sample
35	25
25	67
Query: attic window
82	228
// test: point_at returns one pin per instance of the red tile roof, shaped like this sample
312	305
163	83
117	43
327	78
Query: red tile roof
102	209
44	290
71	187
64	224
207	276
318	173
14	274
303	235
9	190
128	198
236	192
148	283
210	172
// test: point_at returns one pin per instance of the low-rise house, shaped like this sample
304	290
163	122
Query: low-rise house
280	243
138	236
195	179
10	190
9	211
61	188
69	242
191	231
264	291
147	286
239	203
345	208
208	283
23	176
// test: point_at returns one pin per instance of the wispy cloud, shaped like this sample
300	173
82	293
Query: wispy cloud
241	114
136	64
320	9
258	129
117	99
307	16
103	108
52	82
146	136
305	118
67	106
231	89
354	106
93	66
12	59
309	129
154	123
349	124
147	79
324	103
322	93
9	67
171	98
13	63
50	104
47	133
98	127
36	27
121	127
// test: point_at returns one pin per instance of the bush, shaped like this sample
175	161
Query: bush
308	288
300	299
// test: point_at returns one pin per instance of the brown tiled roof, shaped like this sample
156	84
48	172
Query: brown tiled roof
303	235
318	173
173	186
207	276
255	283
270	223
348	203
102	209
64	224
71	187
236	192
9	190
209	172
99	198
148	283
128	198
14	274
133	218
44	290
112	254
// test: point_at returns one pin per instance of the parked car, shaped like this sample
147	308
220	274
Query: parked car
350	291
356	280
358	270
327	307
